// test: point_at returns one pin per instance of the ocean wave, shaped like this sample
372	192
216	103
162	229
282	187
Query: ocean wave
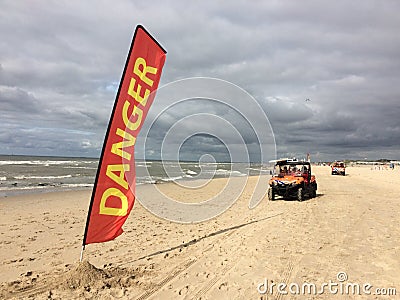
258	170
77	185
146	180
190	172
17	188
3	178
223	172
41	177
76	167
143	163
171	178
44	162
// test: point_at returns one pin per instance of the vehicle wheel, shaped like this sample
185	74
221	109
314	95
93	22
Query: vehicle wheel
271	194
344	174
313	192
300	194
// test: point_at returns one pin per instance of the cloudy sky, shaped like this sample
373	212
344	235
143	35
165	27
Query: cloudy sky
61	62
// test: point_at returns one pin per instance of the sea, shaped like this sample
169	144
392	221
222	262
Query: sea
35	174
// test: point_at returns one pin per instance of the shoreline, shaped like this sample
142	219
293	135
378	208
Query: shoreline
7	193
38	190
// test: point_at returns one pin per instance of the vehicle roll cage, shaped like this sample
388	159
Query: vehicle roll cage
294	163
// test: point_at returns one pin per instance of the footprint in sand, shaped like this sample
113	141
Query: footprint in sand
14	261
203	274
183	291
223	286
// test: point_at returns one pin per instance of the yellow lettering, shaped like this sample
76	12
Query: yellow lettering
119	179
135	112
140	61
136	94
118	148
112	211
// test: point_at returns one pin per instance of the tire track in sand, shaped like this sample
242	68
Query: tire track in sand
177	270
174	273
210	265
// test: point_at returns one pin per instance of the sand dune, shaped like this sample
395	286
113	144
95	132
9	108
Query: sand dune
351	227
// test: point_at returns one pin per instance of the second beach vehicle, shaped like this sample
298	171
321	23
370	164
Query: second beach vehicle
292	179
338	168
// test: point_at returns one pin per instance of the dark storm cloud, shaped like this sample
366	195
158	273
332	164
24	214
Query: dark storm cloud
61	61
199	133
14	98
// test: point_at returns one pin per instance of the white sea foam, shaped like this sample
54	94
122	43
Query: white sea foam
258	170
3	178
149	181
143	163
24	189
77	185
18	188
146	180
43	162
42	177
222	172
76	167
171	178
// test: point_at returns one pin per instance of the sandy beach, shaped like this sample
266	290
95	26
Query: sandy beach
351	226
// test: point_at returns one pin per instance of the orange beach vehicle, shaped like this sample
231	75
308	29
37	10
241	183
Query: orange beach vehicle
292	179
338	168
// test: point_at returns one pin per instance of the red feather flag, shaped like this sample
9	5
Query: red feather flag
113	195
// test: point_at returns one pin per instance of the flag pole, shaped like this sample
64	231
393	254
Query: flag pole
156	53
104	148
81	257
